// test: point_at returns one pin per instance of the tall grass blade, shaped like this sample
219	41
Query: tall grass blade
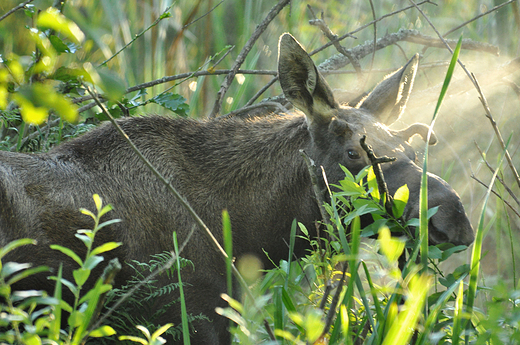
402	329
184	313
423	199
476	254
457	317
228	247
437	308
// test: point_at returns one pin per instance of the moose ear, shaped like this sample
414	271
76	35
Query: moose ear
388	99
301	82
417	129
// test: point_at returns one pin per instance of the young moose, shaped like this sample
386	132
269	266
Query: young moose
252	168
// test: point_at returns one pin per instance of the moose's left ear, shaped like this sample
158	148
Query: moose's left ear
301	82
388	99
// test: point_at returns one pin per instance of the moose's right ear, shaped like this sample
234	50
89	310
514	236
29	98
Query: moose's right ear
301	82
388	99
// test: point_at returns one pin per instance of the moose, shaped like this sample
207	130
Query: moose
251	167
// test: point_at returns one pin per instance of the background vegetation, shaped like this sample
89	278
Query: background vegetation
199	36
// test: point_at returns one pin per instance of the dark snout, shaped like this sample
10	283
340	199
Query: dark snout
450	224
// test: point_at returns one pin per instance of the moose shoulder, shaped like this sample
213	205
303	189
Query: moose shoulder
252	168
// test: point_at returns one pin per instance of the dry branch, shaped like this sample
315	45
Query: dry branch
338	61
260	28
14	9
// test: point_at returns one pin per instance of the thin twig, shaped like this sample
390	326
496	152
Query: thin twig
14	9
349	34
484	102
380	178
479	16
334	303
332	37
375	34
260	28
482	98
498	177
276	105
177	77
201	225
498	195
261	91
164	15
141	283
320	200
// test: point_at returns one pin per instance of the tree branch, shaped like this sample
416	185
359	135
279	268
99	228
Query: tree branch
243	54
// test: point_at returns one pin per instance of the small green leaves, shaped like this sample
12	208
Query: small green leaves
38	99
173	102
53	19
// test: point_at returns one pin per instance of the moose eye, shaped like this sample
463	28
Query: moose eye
353	154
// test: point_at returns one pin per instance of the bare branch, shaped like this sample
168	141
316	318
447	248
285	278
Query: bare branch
320	23
479	16
482	98
338	61
260	28
381	184
320	200
14	9
498	195
483	156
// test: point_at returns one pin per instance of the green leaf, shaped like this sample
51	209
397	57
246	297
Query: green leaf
58	44
67	252
38	99
98	201
103	331
85	239
53	19
94	293
109	222
13	267
92	261
161	330
105	247
27	273
76	318
173	102
105	209
134	339
434	252
351	188
81	275
15	244
372	184
400	201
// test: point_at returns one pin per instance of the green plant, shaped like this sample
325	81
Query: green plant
149	303
31	317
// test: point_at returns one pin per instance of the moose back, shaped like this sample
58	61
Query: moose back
252	168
